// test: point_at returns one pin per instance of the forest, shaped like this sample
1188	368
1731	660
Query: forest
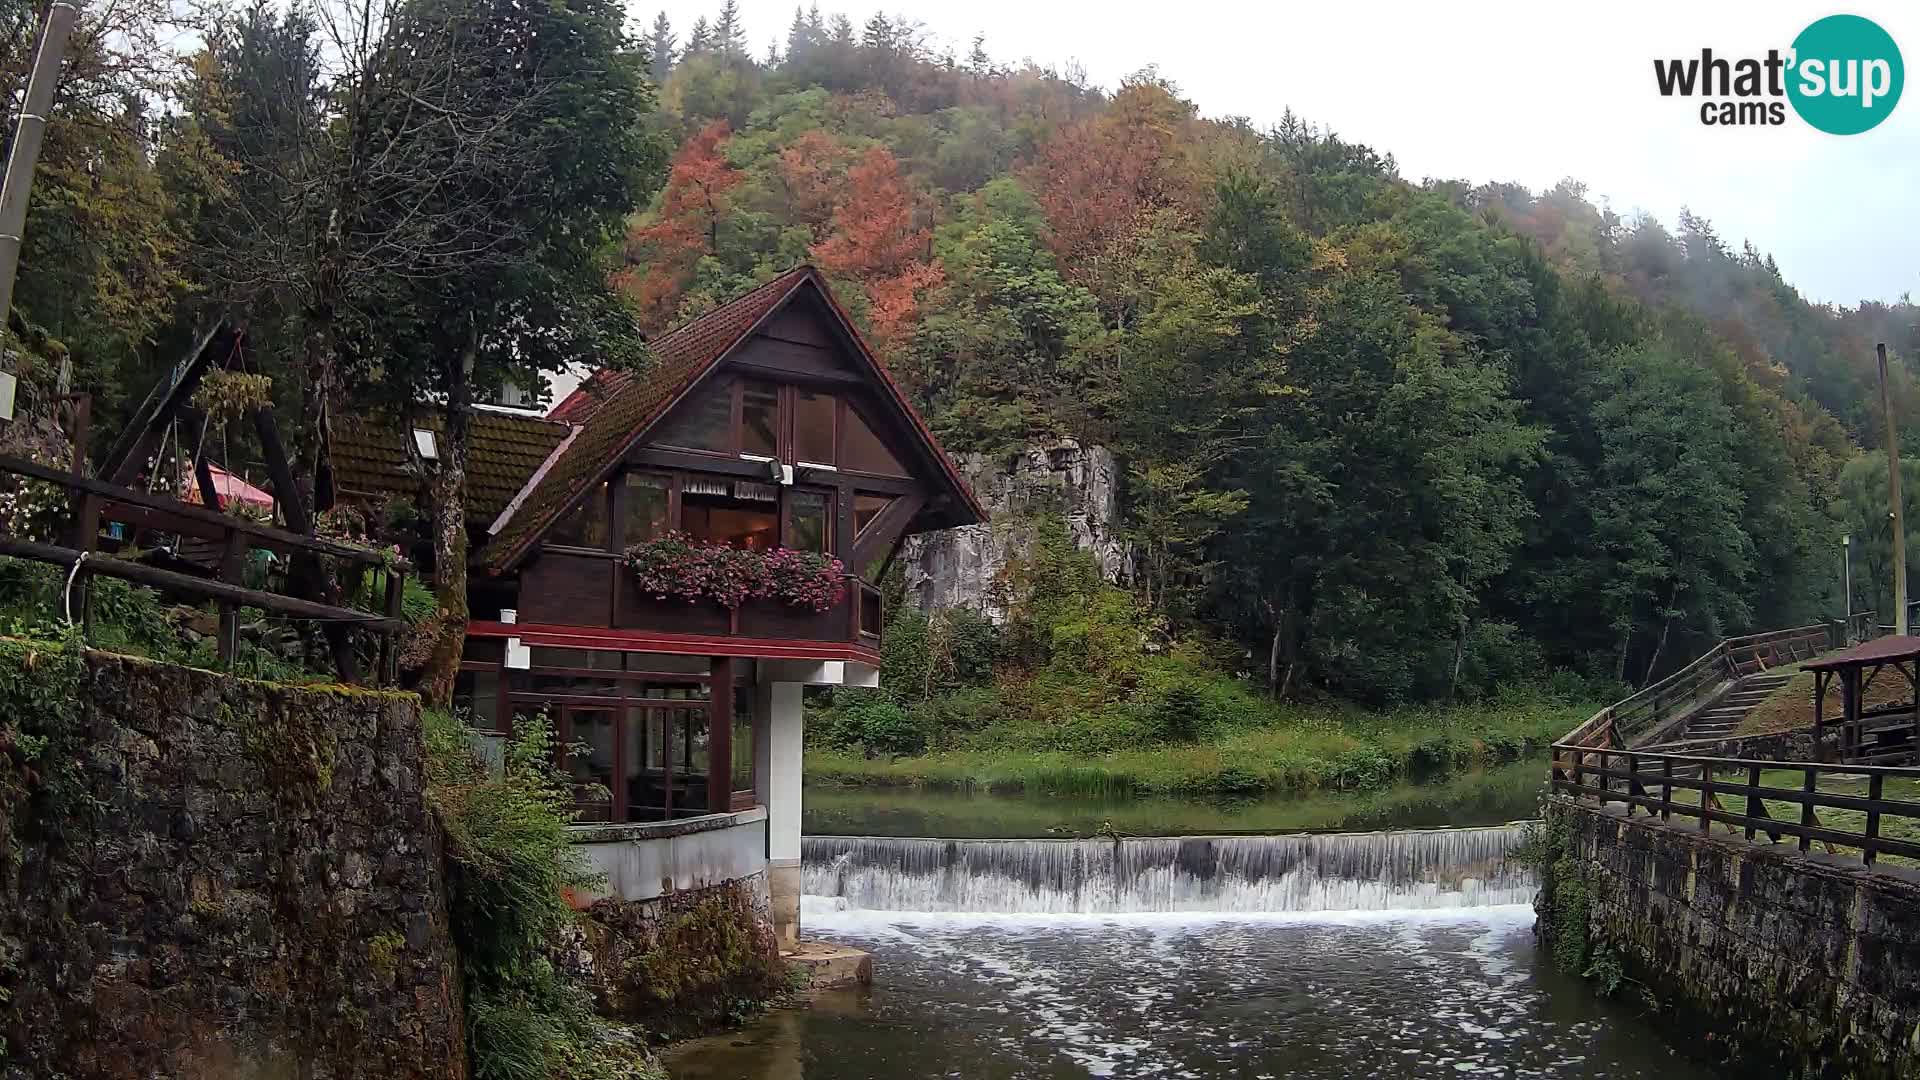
1387	440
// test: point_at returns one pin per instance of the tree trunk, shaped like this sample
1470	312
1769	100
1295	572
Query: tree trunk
1660	643
449	627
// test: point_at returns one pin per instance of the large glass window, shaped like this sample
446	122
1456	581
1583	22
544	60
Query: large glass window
703	423
737	513
477	694
586	525
810	517
590	760
813	430
647	506
862	451
759	418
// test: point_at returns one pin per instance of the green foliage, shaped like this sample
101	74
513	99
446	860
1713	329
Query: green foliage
510	867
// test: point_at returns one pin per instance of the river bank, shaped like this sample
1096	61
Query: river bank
1302	749
1489	796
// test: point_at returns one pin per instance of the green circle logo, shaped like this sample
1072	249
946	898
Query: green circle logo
1846	75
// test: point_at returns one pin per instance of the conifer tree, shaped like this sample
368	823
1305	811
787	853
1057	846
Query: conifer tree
660	52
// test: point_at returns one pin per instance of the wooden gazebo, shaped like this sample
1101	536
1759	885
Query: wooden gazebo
1884	734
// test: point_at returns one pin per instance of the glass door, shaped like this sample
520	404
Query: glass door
587	734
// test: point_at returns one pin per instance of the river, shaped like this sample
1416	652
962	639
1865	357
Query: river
1404	952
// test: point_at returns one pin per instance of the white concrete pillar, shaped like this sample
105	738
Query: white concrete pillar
784	721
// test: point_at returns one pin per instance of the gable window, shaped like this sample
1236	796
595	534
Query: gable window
865	509
703	423
737	513
649	498
862	451
586	524
809	517
759	418
813	427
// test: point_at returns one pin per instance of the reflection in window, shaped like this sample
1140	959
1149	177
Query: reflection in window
810	513
476	695
646	517
865	509
759	418
737	513
862	450
742	736
813	427
591	766
586	524
704	423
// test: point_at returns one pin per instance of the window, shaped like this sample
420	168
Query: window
585	526
865	509
809	520
587	735
742	742
477	694
813	430
647	505
862	451
759	418
737	513
703	423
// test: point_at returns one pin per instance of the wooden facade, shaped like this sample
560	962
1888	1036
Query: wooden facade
765	424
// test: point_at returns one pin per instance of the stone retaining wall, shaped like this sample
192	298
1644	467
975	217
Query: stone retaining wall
250	887
1809	965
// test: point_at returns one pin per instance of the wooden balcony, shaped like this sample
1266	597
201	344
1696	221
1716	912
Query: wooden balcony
564	589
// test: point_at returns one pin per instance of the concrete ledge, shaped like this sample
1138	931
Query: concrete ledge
660	830
830	967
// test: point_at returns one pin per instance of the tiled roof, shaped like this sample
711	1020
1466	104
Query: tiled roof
613	408
628	402
372	455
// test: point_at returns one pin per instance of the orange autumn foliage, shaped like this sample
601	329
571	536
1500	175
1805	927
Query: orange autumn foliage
875	242
663	248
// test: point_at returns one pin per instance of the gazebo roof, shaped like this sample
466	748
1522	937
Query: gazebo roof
1886	650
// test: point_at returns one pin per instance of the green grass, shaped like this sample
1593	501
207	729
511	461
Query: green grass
1892	826
1297	749
1475	797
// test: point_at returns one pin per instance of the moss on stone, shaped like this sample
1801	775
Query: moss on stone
687	961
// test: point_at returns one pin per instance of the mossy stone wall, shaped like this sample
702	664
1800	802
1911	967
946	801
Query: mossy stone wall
248	885
1775	962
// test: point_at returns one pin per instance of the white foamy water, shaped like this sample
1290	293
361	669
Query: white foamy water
1384	871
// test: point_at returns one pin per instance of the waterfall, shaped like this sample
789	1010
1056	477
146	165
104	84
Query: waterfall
1429	868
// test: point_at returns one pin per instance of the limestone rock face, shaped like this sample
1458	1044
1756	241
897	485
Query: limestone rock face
959	567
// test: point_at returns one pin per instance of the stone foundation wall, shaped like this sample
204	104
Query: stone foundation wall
685	961
248	887
1807	965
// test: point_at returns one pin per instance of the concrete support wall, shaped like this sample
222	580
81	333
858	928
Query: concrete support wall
781	707
1789	964
643	861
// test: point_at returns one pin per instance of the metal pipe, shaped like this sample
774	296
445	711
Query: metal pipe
17	185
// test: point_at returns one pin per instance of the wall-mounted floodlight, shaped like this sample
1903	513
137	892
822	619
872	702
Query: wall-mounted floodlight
7	384
424	442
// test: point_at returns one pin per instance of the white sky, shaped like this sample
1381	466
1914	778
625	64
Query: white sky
1524	92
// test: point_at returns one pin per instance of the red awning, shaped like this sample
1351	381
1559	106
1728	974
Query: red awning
229	488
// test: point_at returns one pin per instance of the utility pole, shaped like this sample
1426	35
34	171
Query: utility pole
1893	496
27	133
1846	586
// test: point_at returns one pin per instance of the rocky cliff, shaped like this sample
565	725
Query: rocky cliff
958	567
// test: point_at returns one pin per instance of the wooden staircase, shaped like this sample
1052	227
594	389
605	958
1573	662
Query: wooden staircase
1722	718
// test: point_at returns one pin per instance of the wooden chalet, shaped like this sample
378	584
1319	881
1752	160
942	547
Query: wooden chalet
766	423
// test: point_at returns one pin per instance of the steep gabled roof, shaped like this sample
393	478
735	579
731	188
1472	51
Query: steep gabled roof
614	410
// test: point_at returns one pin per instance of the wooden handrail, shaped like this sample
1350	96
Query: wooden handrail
1587	772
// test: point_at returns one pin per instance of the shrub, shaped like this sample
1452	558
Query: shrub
886	728
1179	714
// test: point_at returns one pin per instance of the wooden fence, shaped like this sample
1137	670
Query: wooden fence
1732	792
93	500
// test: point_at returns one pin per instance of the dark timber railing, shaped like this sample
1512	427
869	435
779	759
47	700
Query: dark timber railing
93	501
1843	806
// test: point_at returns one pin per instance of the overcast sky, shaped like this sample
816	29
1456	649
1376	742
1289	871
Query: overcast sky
1527	92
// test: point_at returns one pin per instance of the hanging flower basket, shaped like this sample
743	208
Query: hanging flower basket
678	566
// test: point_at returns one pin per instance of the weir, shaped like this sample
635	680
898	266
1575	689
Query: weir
1430	868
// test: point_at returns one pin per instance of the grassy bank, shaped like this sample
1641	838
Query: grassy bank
1297	749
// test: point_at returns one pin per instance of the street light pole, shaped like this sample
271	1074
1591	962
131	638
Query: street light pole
1846	580
1893	498
27	133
